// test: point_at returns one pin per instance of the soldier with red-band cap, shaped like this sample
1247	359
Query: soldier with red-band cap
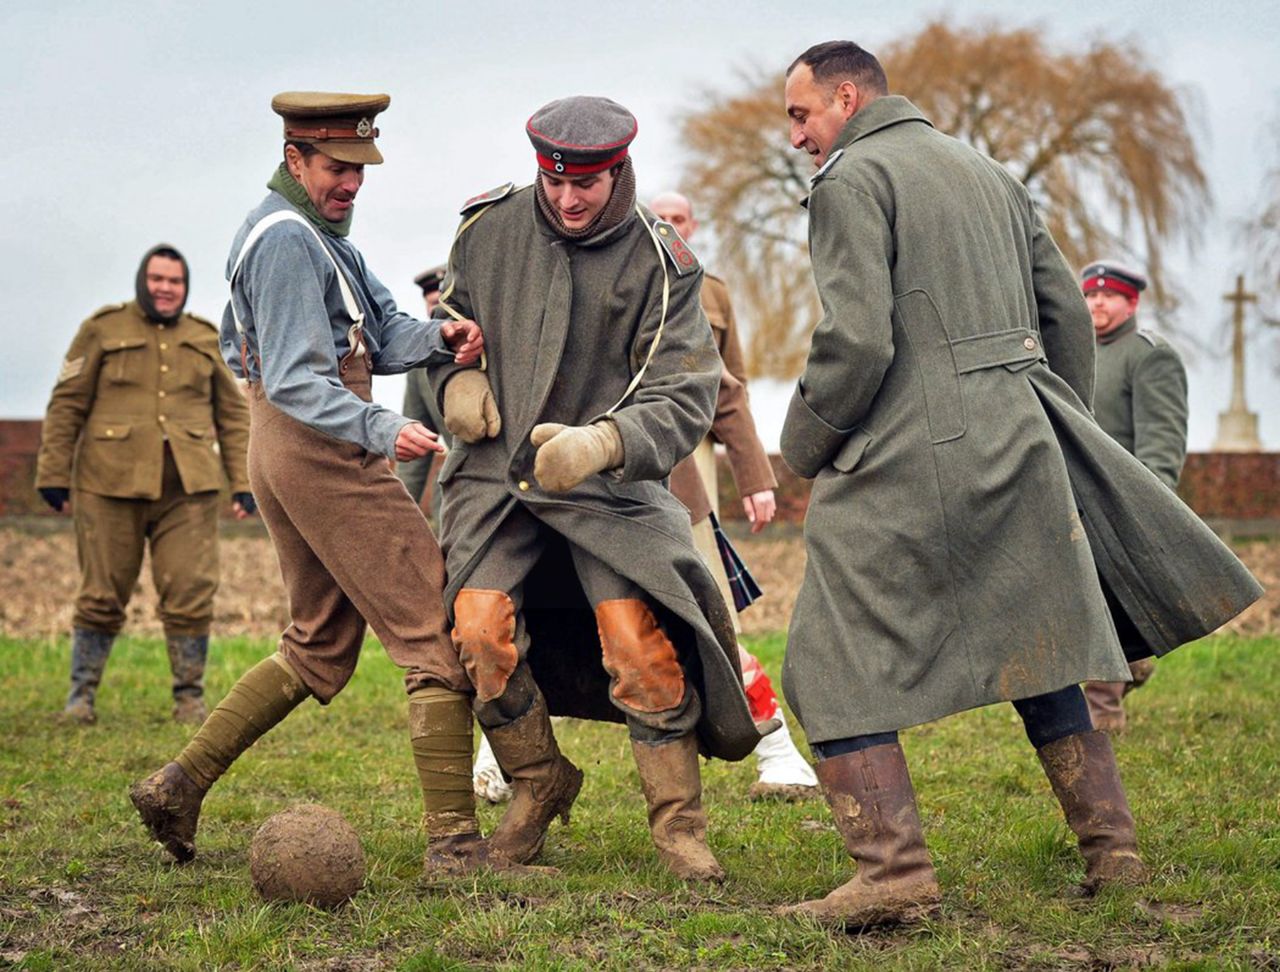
1140	400
574	584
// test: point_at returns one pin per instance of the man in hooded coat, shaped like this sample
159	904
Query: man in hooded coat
144	428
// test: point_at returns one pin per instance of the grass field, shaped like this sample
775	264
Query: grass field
82	888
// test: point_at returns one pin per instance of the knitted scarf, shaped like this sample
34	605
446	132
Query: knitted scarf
289	187
619	207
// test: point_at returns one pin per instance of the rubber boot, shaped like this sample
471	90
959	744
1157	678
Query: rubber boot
874	806
168	801
672	785
89	652
783	773
187	656
1083	773
544	782
487	780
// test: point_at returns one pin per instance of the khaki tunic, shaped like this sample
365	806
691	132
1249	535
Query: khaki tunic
146	424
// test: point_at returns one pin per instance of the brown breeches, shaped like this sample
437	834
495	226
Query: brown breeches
111	533
353	547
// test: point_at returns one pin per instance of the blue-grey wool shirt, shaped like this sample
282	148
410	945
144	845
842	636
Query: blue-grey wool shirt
295	325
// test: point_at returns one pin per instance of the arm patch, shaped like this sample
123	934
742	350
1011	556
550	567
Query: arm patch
677	250
71	368
492	196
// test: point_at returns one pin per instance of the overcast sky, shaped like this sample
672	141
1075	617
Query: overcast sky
132	123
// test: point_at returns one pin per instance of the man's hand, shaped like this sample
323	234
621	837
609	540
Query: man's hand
470	411
760	508
414	441
59	497
568	454
243	505
464	339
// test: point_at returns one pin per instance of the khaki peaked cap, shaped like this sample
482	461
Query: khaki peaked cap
339	125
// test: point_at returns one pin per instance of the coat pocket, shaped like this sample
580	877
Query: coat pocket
452	463
124	361
850	454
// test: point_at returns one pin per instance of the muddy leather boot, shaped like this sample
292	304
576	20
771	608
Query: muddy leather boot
544	782
1082	771
89	652
168	801
673	790
874	807
187	656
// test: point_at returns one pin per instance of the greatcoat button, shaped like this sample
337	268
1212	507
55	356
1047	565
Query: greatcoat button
1029	344
523	485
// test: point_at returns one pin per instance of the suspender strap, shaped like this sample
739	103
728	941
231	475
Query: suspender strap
355	333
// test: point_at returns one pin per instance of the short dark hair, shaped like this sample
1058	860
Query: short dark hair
306	148
168	252
834	62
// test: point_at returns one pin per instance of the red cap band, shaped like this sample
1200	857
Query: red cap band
548	164
1110	283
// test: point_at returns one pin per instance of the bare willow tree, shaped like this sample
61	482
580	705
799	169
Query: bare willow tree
1102	141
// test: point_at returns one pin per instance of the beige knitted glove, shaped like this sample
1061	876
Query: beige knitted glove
568	454
470	411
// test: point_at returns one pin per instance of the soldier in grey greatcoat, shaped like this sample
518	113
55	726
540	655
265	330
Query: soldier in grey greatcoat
1140	400
574	584
966	509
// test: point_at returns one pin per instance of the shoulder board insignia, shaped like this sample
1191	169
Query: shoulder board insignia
825	166
492	196
202	320
108	309
1149	338
677	249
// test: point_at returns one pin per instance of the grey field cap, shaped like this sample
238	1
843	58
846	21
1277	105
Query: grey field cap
581	135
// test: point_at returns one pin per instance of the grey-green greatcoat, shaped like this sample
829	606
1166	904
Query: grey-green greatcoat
1140	398
941	412
567	325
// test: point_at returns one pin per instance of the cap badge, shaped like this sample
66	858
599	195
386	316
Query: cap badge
364	127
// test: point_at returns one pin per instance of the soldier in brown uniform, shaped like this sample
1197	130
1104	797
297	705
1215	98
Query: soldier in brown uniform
308	324
145	425
420	405
782	770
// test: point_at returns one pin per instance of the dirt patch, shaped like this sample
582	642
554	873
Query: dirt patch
40	576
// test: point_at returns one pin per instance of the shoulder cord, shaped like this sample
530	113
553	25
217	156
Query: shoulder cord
666	295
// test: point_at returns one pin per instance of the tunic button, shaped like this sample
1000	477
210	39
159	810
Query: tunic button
163	346
160	326
161	418
524	486
160	393
164	367
1029	344
110	433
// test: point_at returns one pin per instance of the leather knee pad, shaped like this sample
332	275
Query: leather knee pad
484	632
639	656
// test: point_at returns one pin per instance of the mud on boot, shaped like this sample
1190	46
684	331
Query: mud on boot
672	784
874	807
544	782
168	801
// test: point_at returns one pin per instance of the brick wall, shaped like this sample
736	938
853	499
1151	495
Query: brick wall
1217	485
1220	486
